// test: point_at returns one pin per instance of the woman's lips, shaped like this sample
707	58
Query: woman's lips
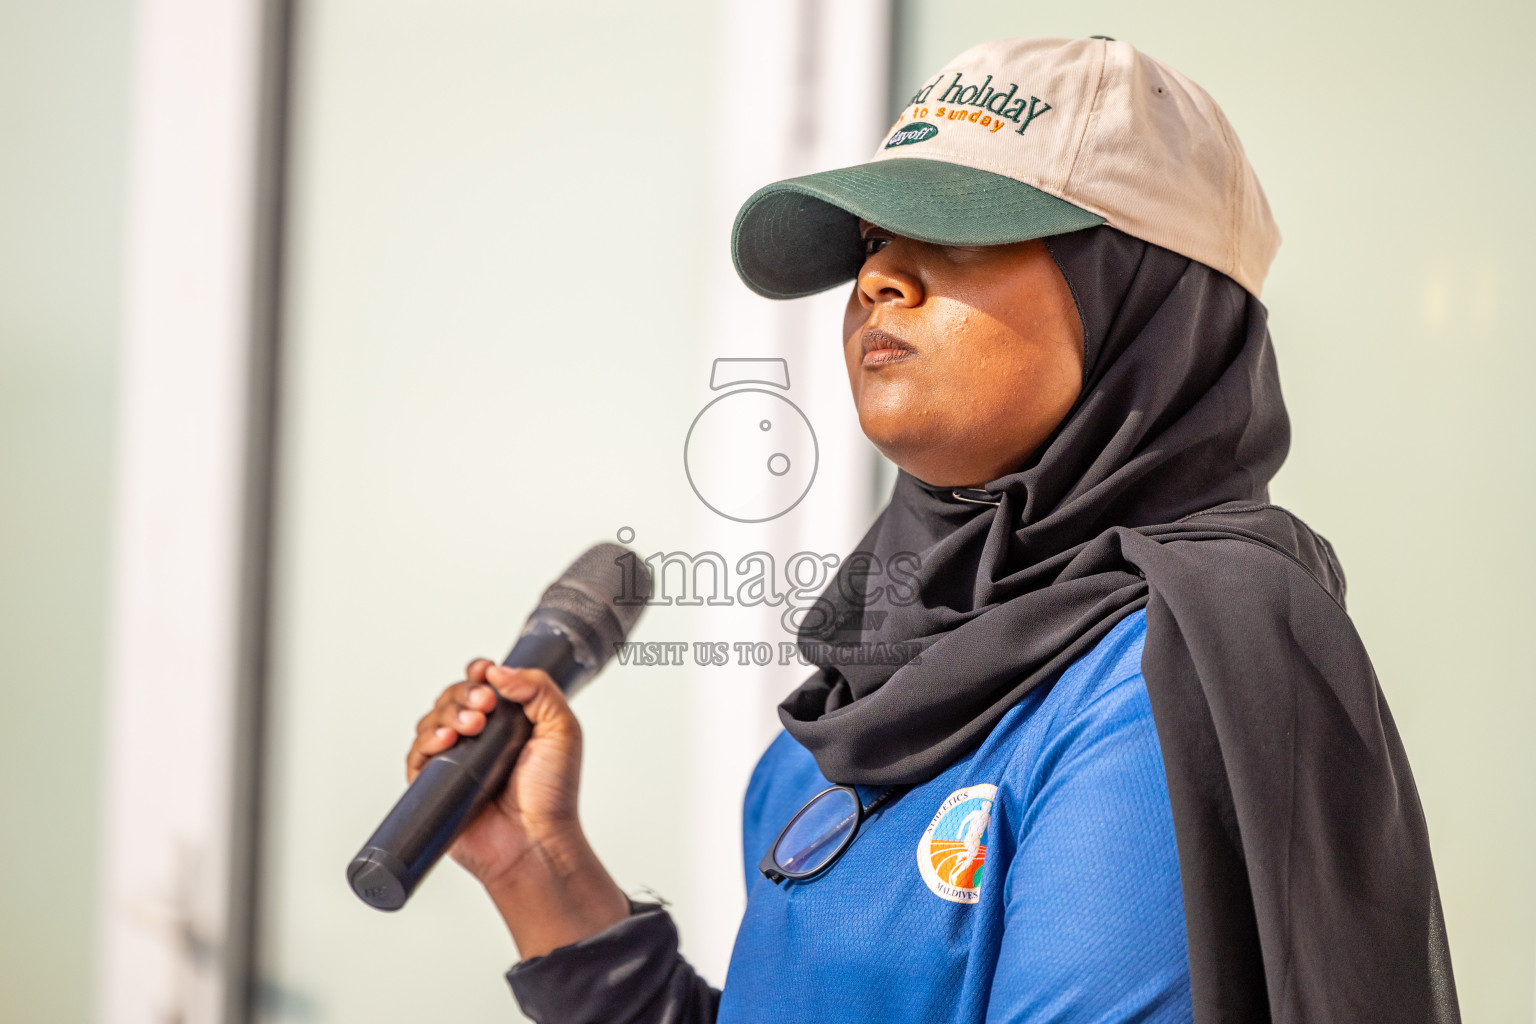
881	348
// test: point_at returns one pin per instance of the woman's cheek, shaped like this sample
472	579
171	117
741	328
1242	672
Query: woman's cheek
854	314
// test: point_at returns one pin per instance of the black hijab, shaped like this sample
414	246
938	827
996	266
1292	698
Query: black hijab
1309	891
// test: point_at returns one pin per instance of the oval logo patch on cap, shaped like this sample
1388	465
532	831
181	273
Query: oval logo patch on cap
952	853
918	131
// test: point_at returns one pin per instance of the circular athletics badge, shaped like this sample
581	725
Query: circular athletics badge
953	850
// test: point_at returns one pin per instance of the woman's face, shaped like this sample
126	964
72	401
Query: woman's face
962	359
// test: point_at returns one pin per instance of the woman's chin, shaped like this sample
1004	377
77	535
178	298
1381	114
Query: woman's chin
890	431
903	449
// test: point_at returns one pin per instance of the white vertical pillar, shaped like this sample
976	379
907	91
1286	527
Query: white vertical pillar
800	87
180	505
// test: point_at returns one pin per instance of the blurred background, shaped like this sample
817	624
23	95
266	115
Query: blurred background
330	330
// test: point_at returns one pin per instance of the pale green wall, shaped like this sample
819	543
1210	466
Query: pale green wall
1397	144
492	359
63	78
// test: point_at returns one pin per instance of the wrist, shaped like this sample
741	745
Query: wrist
549	859
557	893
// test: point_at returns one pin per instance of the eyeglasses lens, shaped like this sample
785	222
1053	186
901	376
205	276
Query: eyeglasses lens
817	833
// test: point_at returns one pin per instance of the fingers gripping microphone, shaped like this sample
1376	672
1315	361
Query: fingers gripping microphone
571	635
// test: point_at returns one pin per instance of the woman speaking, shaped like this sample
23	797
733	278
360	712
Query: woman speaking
1141	769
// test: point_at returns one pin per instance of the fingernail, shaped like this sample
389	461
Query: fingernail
466	717
479	693
444	732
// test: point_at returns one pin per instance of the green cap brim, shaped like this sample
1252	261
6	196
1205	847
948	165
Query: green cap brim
801	236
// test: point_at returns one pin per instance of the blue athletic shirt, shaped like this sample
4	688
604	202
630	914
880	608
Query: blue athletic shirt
1035	880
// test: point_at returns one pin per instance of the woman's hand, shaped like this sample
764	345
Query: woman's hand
527	847
539	802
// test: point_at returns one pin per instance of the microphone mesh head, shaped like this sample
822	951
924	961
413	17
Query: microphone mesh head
601	595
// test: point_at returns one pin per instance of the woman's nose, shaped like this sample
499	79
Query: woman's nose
882	279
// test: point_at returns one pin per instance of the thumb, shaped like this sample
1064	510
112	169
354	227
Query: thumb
541	699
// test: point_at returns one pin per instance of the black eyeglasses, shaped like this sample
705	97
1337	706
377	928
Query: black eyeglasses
820	832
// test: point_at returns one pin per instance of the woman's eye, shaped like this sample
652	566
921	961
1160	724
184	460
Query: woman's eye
873	244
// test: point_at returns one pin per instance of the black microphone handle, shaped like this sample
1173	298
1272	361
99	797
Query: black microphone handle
454	786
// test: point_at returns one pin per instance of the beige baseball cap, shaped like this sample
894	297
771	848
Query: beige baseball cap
1018	139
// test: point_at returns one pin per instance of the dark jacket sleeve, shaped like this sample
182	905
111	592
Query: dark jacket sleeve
630	973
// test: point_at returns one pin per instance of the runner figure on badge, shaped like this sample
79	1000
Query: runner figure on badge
975	830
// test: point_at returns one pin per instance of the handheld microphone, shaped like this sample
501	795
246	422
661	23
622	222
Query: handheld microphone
573	632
